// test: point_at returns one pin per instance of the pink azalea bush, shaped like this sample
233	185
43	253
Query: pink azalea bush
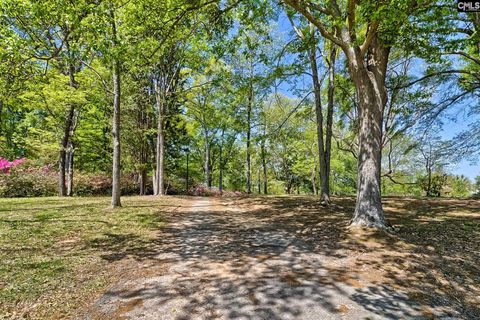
5	165
21	178
25	178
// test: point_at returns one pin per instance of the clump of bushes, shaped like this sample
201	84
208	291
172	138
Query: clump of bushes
6	165
91	185
25	179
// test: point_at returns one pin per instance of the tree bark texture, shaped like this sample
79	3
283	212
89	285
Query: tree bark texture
160	154
116	187
264	167
70	167
208	178
330	106
324	196
369	80
249	133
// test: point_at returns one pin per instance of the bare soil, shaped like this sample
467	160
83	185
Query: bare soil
291	258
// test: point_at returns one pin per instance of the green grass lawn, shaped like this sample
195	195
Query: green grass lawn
58	253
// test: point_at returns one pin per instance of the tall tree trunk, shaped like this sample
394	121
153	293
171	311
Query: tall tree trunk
160	154
62	188
142	169
330	104
116	188
249	132
67	131
324	196
259	184
208	179
369	83
264	167
142	179
314	178
220	161
429	181
70	166
220	178
367	64
105	145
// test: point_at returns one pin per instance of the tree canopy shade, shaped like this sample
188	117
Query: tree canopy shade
366	32
266	97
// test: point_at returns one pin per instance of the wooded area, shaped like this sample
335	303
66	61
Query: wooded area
156	97
239	159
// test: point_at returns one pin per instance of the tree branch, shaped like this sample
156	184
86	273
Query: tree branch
105	85
433	75
388	175
464	54
295	4
371	32
296	29
351	19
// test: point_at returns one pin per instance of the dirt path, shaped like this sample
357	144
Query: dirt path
216	262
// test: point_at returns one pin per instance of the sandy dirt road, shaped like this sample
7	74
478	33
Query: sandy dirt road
213	261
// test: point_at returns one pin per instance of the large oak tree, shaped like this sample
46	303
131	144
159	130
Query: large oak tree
365	31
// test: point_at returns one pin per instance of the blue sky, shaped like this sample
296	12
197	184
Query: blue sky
451	128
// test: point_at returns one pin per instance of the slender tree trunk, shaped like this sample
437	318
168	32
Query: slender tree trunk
67	131
259	184
323	149
105	146
249	132
429	185
369	83
330	105
142	170
116	188
314	178
160	154
208	180
62	188
220	179
220	175
264	167
70	166
324	197
142	179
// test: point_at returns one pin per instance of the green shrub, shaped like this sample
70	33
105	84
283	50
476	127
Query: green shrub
91	185
27	180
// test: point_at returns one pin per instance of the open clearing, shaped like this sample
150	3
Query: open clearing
237	258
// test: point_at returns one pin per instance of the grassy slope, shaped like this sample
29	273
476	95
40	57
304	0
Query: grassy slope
55	254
